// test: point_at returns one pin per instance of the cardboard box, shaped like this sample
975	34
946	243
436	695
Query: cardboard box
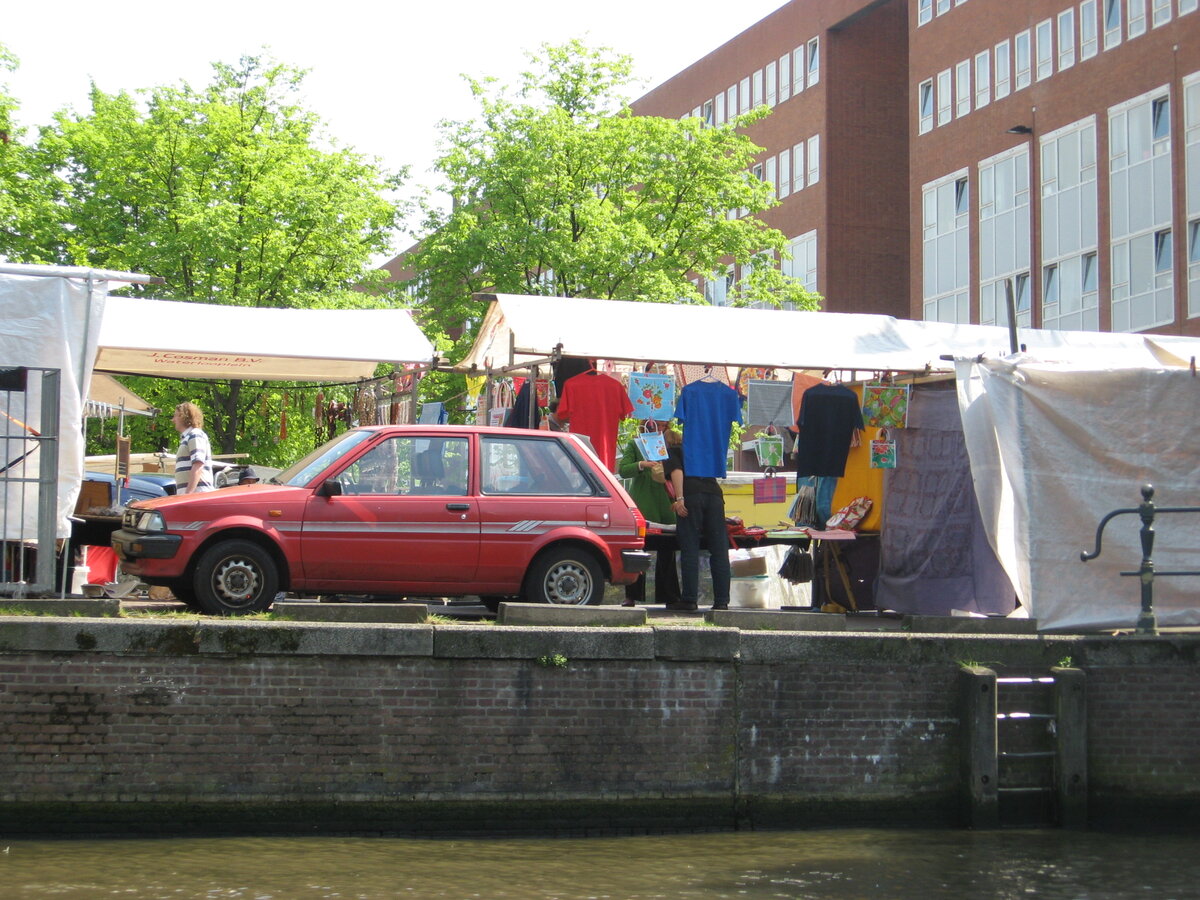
93	495
745	568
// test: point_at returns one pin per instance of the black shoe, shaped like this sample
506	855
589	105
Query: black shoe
720	606
686	607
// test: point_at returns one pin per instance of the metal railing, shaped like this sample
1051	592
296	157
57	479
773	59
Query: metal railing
1147	622
28	552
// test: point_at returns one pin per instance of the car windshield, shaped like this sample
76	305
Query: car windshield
300	473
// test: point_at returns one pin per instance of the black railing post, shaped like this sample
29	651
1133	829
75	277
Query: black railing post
1147	623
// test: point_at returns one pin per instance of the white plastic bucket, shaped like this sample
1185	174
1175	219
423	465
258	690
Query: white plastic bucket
79	579
748	591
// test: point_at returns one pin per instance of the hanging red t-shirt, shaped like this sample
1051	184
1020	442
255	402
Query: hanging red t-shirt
594	404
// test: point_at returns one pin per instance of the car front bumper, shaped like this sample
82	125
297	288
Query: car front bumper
132	545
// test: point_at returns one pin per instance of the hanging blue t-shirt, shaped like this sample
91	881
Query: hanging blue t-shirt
707	410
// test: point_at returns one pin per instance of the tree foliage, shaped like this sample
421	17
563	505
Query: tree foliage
231	194
560	190
28	212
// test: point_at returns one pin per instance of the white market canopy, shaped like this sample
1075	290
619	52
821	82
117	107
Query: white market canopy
107	396
521	329
195	340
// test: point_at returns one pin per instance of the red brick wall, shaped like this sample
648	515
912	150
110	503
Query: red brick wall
642	728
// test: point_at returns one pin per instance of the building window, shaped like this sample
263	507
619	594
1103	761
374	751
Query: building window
1112	23
1070	224
1160	118
717	287
1187	6
962	88
785	77
719	109
1140	213
744	104
944	100
1022	61
772	84
1003	66
925	101
803	262
814	159
798	167
1005	240
814	61
1161	12
924	12
798	69
785	173
731	102
769	174
1194	267
1191	157
1066	39
945	250
1137	18
756	89
706	114
1045	49
943	7
983	79
1088	41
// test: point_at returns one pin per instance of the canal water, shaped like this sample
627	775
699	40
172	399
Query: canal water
823	865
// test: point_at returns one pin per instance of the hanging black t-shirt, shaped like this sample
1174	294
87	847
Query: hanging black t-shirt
829	416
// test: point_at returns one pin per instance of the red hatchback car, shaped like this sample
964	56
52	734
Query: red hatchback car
399	510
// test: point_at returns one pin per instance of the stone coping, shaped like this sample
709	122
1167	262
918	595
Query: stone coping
683	640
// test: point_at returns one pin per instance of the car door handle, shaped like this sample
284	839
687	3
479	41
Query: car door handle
457	507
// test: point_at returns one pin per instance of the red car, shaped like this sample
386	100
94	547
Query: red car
399	510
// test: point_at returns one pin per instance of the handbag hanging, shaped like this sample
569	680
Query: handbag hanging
769	449
771	488
652	396
652	445
883	451
885	406
797	566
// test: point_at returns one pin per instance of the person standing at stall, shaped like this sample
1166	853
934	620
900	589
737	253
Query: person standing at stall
193	460
647	487
707	408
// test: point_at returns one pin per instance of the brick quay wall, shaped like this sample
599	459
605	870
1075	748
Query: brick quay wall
128	726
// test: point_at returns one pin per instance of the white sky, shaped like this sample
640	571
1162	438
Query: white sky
381	74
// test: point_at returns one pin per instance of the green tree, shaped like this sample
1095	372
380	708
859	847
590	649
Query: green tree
560	190
29	216
233	195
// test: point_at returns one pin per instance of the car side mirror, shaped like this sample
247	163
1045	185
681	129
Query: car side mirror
330	487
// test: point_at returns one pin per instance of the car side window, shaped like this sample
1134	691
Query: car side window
410	466
534	466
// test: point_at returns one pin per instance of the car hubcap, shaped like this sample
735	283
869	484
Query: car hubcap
568	583
236	581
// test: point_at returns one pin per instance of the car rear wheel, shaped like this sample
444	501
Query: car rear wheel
234	578
568	576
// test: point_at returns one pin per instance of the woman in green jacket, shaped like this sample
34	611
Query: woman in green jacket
648	489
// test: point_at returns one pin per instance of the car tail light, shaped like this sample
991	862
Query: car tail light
639	521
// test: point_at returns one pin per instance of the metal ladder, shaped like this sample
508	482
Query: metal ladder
1025	748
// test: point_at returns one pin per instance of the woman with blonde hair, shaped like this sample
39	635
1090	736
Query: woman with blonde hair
193	460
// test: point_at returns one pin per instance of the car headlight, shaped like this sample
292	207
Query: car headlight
149	521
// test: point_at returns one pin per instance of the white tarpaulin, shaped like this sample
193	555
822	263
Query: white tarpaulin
667	332
1054	447
196	340
49	323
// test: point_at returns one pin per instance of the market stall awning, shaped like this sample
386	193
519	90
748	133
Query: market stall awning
195	340
518	329
107	396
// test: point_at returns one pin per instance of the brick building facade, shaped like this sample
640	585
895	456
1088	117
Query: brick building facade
934	156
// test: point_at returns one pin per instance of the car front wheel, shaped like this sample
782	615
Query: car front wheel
567	576
234	578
